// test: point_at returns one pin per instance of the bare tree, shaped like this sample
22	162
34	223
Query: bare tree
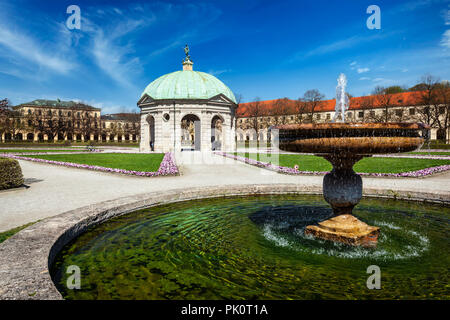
281	110
255	112
313	99
385	100
441	111
428	98
300	109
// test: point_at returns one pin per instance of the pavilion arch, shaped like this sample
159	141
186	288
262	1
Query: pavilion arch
217	127
30	136
190	132
151	131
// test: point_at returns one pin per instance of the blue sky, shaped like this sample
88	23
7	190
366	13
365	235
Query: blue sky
265	49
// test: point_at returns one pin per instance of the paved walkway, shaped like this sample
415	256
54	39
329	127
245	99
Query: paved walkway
54	189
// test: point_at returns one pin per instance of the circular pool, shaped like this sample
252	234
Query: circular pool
253	247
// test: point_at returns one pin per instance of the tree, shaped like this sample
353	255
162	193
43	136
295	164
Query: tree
5	111
394	89
281	110
255	112
367	103
441	111
428	98
300	109
384	100
313	99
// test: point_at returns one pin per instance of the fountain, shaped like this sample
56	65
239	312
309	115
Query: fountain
343	144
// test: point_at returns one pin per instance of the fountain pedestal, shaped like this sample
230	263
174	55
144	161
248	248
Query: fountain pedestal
342	189
344	144
347	229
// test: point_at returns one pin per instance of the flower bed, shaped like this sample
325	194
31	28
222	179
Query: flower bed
166	168
295	171
50	152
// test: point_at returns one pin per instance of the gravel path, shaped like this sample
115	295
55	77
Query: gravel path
54	190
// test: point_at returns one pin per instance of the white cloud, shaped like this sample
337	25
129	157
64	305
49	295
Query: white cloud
353	63
446	14
362	70
445	40
364	78
27	48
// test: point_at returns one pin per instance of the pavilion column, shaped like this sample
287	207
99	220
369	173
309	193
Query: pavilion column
206	120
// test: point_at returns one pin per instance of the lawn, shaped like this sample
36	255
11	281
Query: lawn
369	165
437	153
126	161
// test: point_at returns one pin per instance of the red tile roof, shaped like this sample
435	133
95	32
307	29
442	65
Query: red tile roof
268	107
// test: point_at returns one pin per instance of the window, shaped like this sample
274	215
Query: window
372	113
399	112
29	111
60	113
441	110
349	114
328	116
412	111
361	114
69	114
78	114
49	113
40	112
30	123
318	116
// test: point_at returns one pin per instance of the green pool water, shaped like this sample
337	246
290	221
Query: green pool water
254	248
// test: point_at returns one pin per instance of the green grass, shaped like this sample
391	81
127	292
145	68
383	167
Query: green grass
9	233
431	153
126	161
369	165
67	144
40	150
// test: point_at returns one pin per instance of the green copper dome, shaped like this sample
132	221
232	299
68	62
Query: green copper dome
187	84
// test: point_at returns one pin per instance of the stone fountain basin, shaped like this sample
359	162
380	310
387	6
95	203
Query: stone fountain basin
354	138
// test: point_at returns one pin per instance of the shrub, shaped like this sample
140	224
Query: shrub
10	174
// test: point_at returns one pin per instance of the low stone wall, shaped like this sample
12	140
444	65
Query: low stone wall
25	258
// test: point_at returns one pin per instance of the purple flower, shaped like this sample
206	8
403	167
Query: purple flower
288	170
167	166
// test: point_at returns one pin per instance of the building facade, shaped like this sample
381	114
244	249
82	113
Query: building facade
55	120
255	119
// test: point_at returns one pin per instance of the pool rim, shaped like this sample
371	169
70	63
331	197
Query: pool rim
26	257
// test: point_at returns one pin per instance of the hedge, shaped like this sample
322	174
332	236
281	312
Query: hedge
10	174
